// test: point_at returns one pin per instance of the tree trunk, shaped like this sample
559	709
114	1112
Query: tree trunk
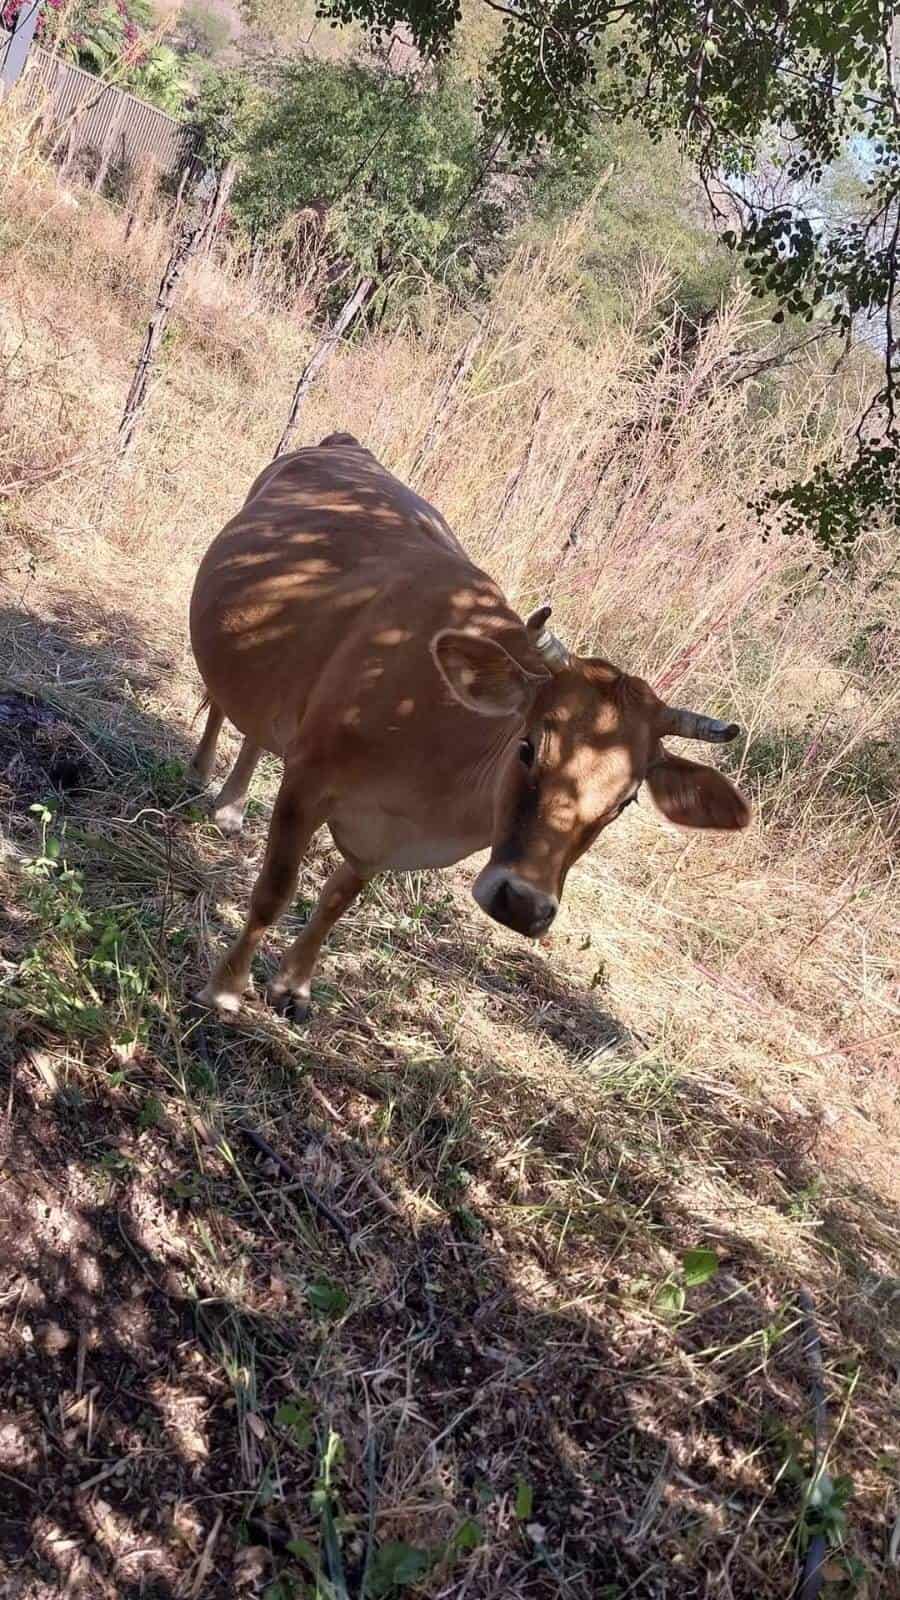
182	185
190	238
514	481
321	356
458	373
106	152
219	202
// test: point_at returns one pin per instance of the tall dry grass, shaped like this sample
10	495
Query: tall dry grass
626	505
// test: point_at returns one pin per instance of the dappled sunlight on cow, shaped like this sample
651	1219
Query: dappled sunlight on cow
338	623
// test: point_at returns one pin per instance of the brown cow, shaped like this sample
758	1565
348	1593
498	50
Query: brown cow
338	622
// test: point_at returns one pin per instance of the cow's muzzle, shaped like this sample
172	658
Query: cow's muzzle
517	904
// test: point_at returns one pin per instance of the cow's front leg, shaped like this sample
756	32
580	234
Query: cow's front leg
290	988
294	820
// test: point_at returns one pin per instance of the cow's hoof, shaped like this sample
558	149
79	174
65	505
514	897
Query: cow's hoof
225	1001
229	820
292	1006
198	779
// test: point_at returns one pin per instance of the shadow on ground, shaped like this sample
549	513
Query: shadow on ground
435	1347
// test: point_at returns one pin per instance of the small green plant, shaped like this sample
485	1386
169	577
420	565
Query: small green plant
297	1417
467	1224
324	1502
806	1202
394	1567
114	1167
697	1267
825	1513
166	777
55	889
825	1499
151	1113
328	1298
524	1499
77	975
284	1588
188	1188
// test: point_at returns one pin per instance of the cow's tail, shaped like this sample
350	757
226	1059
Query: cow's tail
204	705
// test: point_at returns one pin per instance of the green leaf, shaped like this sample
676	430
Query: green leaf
468	1535
331	1545
524	1499
670	1299
302	1550
297	1415
327	1297
821	1491
394	1566
150	1114
698	1266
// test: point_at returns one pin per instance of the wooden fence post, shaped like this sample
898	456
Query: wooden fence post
189	239
321	356
109	142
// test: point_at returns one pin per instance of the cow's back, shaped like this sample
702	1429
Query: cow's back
325	538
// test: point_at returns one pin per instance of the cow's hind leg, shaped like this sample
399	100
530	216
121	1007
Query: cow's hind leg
294	820
205	754
290	988
228	811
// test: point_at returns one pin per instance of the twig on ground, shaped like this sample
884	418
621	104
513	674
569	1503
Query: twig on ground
364	1174
812	1575
356	1159
330	1110
80	1359
109	1471
313	1199
204	1561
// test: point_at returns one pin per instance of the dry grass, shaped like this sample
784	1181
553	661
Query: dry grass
522	1145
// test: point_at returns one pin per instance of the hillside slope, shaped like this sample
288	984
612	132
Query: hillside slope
515	1310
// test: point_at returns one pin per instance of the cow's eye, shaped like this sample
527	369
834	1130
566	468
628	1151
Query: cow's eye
526	753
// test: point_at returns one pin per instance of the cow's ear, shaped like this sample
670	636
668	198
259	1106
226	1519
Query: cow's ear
483	676
695	796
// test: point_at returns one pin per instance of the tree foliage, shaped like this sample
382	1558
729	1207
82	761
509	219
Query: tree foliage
387	165
225	108
202	29
115	39
801	79
643	204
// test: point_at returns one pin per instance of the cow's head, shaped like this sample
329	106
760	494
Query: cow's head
589	737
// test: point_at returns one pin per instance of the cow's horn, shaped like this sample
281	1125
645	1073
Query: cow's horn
690	725
551	650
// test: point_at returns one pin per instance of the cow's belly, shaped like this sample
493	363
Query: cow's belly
378	841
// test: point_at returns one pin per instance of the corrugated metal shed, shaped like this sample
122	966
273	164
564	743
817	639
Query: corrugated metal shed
103	117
